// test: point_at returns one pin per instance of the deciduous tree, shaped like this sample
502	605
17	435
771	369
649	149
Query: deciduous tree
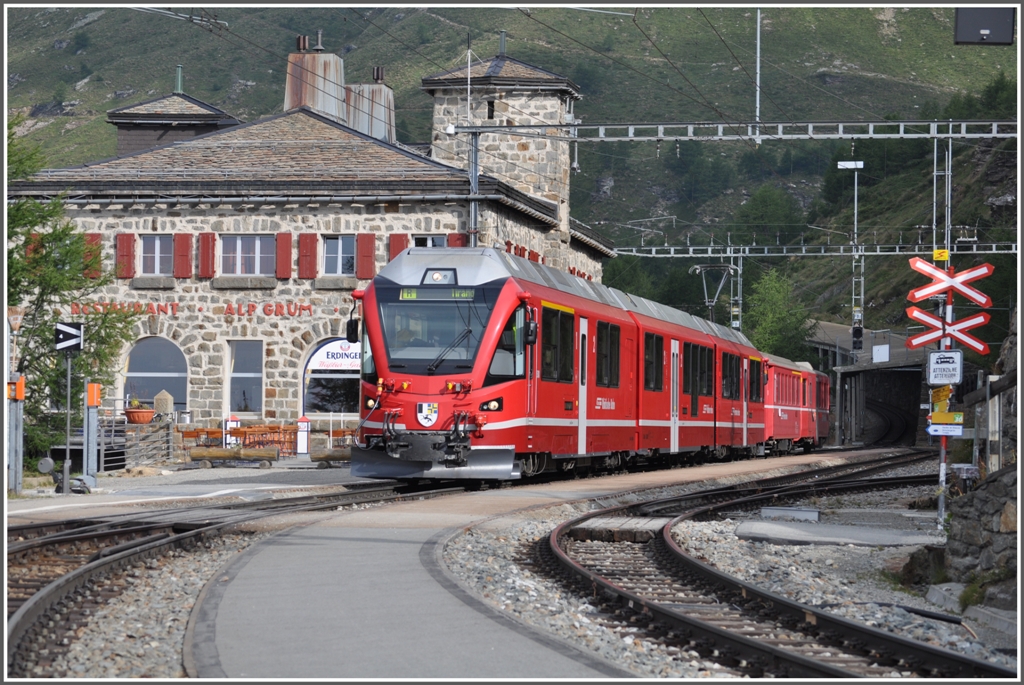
49	267
774	322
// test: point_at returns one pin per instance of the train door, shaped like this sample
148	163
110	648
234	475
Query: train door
581	437
744	374
674	392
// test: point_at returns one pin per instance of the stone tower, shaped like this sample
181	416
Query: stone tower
503	91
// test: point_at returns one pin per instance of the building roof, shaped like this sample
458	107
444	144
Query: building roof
177	107
502	71
298	152
837	335
588	236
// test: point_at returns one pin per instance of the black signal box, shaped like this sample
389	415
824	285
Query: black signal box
984	25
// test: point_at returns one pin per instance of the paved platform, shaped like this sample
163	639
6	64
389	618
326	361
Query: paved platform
355	605
794	533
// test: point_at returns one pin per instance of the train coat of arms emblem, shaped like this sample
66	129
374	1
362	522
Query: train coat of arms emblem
426	413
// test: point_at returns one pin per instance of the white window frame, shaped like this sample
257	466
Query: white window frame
261	242
430	240
338	239
164	246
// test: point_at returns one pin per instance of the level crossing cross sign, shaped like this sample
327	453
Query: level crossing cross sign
943	281
953	329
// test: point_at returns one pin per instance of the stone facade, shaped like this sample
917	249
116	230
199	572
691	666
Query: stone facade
983	528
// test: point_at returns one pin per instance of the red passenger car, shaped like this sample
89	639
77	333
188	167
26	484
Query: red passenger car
796	406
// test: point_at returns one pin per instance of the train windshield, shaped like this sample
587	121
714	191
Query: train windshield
434	329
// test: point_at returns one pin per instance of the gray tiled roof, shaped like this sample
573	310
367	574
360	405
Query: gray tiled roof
297	153
298	145
500	70
175	104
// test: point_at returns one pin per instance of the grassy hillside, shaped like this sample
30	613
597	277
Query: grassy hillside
68	66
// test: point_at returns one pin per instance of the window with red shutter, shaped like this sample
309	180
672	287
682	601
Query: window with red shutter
207	254
396	243
366	249
124	247
182	255
284	255
92	255
458	240
308	244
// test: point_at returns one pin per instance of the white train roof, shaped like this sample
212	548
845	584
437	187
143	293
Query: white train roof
477	266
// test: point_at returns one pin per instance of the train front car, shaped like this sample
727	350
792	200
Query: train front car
444	352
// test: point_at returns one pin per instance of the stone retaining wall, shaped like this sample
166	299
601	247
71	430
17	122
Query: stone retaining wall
983	528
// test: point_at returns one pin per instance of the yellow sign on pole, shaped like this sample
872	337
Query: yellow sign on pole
940	406
940	255
942	394
947	417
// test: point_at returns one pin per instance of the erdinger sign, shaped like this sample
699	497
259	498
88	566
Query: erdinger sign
337	355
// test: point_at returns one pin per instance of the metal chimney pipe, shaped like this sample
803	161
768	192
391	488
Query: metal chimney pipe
319	41
501	45
177	87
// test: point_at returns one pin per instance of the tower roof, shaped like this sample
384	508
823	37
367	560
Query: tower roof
178	107
501	71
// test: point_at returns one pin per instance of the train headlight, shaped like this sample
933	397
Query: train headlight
370	402
491	405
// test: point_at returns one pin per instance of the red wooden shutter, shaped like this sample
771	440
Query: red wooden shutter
182	255
534	256
92	254
124	259
207	254
396	243
284	255
366	249
308	243
458	240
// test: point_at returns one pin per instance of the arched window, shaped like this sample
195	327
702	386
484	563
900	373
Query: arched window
330	382
156	364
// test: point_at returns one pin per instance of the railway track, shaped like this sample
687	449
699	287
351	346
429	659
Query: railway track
897	426
628	554
60	572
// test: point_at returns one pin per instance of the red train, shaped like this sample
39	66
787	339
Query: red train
796	406
481	365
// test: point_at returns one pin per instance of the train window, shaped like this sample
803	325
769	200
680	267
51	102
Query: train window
803	387
607	355
654	362
369	368
706	372
567	341
557	345
730	376
509	360
687	371
754	382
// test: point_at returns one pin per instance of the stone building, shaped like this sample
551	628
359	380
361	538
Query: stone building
240	248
